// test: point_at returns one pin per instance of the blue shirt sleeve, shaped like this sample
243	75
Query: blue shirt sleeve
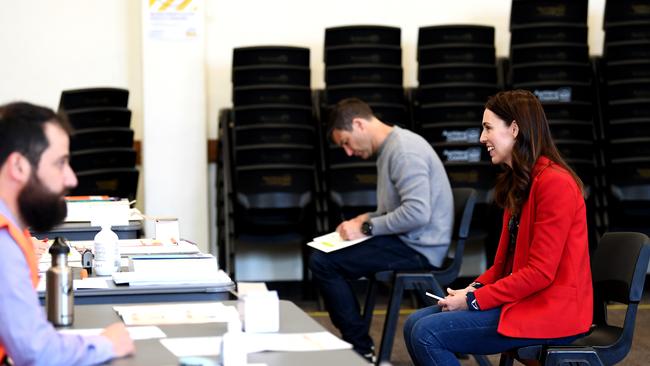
25	333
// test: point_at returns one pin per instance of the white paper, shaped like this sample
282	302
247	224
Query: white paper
181	313
146	246
91	282
193	346
168	230
333	241
280	342
212	278
244	288
294	342
136	333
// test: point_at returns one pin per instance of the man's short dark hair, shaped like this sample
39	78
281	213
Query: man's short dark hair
341	115
22	130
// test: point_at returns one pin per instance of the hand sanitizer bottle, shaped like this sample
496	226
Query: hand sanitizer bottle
107	252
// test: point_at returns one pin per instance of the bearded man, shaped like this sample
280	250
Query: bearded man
35	176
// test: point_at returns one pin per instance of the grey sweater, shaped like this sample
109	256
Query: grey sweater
414	198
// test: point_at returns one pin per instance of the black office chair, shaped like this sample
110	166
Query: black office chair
435	280
619	270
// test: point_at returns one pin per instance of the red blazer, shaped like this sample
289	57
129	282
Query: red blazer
549	293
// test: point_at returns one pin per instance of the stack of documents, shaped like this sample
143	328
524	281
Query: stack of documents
145	246
333	241
199	269
181	313
96	209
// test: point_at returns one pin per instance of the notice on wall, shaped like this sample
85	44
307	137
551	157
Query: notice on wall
173	20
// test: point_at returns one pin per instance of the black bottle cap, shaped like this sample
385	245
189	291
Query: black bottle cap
60	246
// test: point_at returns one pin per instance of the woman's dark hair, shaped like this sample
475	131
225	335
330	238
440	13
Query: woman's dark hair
533	140
22	130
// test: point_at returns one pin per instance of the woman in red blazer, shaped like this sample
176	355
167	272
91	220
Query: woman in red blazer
539	289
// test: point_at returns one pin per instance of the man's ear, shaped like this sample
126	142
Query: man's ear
360	123
18	166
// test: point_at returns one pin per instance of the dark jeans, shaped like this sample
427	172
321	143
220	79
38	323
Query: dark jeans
331	272
432	337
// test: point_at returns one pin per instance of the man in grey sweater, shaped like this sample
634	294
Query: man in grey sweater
411	228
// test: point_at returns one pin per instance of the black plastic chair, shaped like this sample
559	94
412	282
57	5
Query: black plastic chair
460	33
103	158
362	34
94	138
99	117
435	280
619	270
548	11
93	97
117	182
271	74
270	55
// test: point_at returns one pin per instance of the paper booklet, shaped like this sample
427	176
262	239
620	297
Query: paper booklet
333	241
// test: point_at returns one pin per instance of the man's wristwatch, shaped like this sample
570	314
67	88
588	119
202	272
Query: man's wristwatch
366	228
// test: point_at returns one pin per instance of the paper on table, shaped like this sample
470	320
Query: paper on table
91	282
193	346
258	342
333	241
182	313
145	246
244	288
136	333
292	342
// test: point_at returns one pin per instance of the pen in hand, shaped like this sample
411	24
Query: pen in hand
434	296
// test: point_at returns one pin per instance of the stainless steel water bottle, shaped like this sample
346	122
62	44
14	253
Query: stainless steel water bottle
59	298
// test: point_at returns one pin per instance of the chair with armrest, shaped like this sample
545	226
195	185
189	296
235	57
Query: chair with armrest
619	270
434	280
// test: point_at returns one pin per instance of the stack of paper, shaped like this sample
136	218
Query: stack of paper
215	277
333	241
97	209
180	313
145	246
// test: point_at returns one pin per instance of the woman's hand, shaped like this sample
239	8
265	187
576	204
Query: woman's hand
456	300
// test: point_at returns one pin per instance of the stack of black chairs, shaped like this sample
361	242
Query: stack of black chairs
268	149
456	74
101	146
365	62
549	55
626	109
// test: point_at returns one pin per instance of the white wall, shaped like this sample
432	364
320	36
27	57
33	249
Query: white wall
50	46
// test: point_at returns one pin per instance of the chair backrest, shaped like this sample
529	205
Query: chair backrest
619	270
619	267
464	202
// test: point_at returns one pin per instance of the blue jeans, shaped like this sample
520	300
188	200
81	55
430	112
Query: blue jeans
331	272
433	336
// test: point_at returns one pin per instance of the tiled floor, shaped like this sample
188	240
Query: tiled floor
639	355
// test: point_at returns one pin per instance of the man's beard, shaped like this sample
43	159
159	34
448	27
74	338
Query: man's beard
40	208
